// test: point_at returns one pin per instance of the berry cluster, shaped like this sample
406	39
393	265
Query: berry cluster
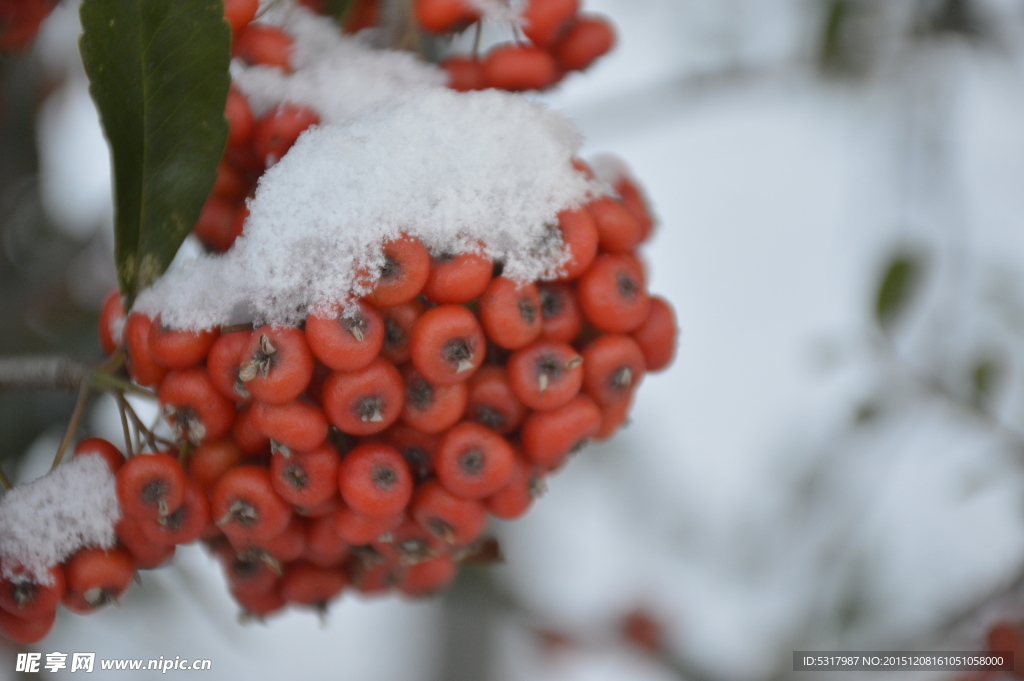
19	22
368	446
561	40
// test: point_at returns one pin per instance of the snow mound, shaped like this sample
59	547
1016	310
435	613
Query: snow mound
483	171
44	522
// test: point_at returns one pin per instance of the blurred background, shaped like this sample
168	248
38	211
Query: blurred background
834	461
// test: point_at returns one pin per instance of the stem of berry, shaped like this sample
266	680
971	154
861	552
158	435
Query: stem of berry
76	419
41	372
121	402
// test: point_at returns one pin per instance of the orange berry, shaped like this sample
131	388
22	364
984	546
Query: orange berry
431	408
375	480
196	411
366	401
403	274
545	375
519	67
613	366
586	39
111	322
346	339
457	279
473	461
95	577
448	345
266	45
657	335
544	20
550	436
612	294
492	402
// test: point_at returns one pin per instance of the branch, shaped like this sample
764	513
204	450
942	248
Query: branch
42	372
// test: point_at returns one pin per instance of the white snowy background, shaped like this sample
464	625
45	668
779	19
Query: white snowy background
746	506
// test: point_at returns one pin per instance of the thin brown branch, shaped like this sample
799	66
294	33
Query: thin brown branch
42	372
124	426
76	418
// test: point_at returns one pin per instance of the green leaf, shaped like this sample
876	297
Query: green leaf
158	72
897	289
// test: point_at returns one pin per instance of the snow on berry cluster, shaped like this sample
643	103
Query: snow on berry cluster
415	304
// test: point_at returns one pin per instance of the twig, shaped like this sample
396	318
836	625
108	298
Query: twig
124	425
76	418
42	372
151	439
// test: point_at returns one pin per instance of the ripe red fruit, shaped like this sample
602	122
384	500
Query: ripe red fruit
244	434
612	294
246	507
222	364
617	230
550	436
428	576
359	530
545	375
266	45
366	401
276	132
346	340
296	426
100	447
196	411
179	349
287	546
324	546
399	321
229	185
403	274
562	319
633	199
150	485
491	401
249	572
185	523
515	498
431	408
260	605
218	226
240	118
464	73
579	236
308	584
417	448
240	12
586	39
448	345
458	278
95	577
510	313
362	14
146	553
27	599
544	20
613	418
141	366
111	322
473	461
375	480
657	335
276	364
613	366
454	520
519	67
445	16
327	507
25	631
306	479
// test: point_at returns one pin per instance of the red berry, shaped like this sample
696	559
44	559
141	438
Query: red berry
277	130
346	340
179	349
613	367
579	236
588	38
96	577
244	434
359	530
260	604
362	14
458	278
491	401
366	401
211	460
111	322
464	73
550	436
240	118
26	598
327	507
375	480
195	409
428	576
515	498
519	67
417	448
612	294
146	553
545	375
403	274
307	584
222	364
298	425
456	521
510	313
544	20
18	629
264	44
306	479
143	369
185	523
634	201
448	345
399	321
473	461
617	230
613	418
324	545
431	408
150	485
657	335
240	12
276	364
229	185
246	507
100	447
562	319
445	16
218	225
287	546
